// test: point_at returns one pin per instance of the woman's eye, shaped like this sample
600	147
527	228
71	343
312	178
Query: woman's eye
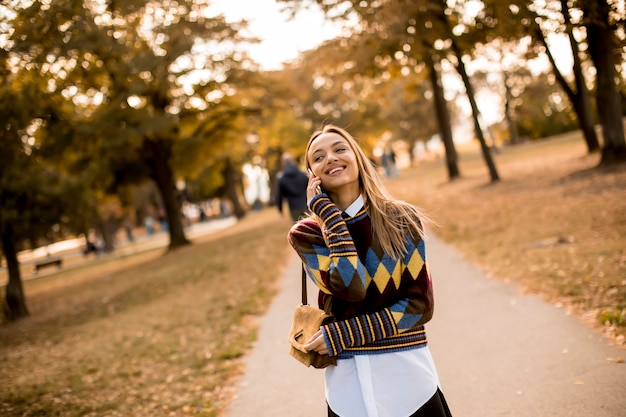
317	158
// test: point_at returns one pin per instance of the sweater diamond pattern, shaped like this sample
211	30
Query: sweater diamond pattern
315	263
382	271
349	270
415	263
348	265
313	260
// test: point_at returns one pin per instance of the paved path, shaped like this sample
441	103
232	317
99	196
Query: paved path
498	353
275	384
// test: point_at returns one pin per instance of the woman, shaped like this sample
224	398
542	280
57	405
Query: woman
365	251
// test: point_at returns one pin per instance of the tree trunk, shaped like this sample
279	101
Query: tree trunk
106	229
15	300
582	102
158	153
580	99
232	179
469	89
443	116
508	111
608	102
439	8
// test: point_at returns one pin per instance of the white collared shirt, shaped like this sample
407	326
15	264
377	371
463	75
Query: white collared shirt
354	208
394	384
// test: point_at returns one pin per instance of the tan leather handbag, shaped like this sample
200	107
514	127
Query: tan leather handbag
307	320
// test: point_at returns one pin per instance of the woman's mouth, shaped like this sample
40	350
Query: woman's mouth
336	170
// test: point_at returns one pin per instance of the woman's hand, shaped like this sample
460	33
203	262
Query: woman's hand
317	343
314	187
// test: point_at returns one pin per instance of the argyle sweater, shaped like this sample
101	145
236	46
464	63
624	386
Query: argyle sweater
380	303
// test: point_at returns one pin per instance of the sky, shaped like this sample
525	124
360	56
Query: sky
282	39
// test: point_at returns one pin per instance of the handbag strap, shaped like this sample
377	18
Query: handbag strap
304	299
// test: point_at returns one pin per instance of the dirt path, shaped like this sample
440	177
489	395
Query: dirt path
498	353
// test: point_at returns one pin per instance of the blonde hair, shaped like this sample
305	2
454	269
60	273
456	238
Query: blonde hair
391	219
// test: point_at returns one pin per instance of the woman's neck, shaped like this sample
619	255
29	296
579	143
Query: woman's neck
343	198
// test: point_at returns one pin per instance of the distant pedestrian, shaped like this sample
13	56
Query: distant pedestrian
129	230
292	183
389	163
392	163
365	251
163	221
148	223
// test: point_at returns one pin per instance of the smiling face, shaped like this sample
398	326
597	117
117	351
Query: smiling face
332	159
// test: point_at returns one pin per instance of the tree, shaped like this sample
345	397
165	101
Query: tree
336	94
140	61
443	116
91	97
392	39
504	74
543	109
280	132
413	123
439	8
581	99
12	166
600	40
32	190
510	22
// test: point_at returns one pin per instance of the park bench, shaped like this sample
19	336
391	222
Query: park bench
48	262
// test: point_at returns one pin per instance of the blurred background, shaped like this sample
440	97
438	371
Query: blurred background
122	119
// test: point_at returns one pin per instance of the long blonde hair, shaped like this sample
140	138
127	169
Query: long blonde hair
391	219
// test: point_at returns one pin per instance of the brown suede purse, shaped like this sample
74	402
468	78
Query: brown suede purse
307	320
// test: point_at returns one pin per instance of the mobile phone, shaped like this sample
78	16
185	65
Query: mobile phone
318	189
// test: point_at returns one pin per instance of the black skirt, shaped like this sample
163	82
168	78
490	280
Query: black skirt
435	407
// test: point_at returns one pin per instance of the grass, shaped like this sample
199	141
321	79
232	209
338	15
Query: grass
150	335
157	334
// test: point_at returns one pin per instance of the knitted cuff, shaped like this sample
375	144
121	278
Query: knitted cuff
358	331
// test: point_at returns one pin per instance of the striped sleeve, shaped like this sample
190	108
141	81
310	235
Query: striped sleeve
358	331
339	240
333	263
